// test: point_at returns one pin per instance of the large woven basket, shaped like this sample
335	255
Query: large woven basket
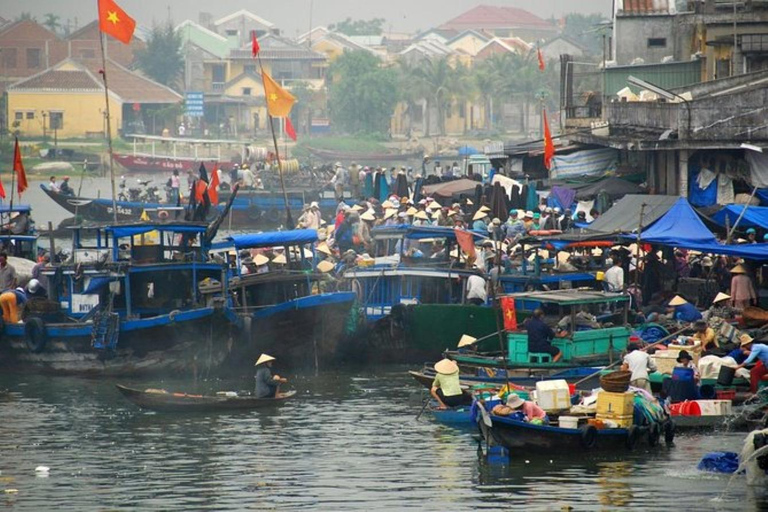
616	382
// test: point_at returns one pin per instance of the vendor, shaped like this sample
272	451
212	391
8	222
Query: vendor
756	351
639	363
682	310
720	308
540	336
706	335
533	413
446	388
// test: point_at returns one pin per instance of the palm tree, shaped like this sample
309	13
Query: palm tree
51	22
440	84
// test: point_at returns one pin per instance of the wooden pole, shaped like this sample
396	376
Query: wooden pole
639	242
109	126
730	233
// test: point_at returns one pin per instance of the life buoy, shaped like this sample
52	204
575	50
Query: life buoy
35	335
588	436
654	433
633	435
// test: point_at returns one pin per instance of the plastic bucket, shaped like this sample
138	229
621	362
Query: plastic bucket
725	377
682	374
569	422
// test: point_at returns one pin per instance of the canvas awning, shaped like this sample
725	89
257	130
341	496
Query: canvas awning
624	215
754	216
452	189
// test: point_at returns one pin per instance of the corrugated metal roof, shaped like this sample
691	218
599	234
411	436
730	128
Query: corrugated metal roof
669	75
645	7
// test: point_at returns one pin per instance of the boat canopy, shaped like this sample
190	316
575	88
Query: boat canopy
139	229
17	208
268	239
571	297
422	232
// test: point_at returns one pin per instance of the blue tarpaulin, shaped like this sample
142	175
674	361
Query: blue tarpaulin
701	197
269	239
680	225
97	283
421	232
754	216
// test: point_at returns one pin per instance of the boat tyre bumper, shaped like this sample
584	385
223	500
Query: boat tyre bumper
35	334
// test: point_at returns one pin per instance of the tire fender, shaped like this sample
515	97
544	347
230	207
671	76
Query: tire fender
35	335
588	436
633	435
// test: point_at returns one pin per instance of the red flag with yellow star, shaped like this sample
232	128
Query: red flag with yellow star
510	314
279	101
115	22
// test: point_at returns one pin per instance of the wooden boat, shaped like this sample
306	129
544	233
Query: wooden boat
460	416
497	378
155	154
518	435
160	400
591	347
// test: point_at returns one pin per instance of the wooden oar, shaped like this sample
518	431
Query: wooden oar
426	403
662	340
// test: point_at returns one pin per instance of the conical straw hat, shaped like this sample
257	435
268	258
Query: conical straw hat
466	340
264	358
677	301
721	296
446	367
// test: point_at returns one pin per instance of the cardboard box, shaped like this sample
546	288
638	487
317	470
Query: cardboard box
616	404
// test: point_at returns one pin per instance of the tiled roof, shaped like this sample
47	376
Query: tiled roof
277	48
75	76
60	80
489	16
645	7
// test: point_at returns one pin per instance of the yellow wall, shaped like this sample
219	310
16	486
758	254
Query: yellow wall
236	89
470	44
83	112
329	48
236	68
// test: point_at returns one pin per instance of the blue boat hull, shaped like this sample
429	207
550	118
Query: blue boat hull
183	342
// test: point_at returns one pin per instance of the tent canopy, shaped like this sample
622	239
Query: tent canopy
451	189
754	217
614	187
269	239
679	225
624	215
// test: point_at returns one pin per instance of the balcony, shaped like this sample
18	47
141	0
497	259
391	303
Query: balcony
217	87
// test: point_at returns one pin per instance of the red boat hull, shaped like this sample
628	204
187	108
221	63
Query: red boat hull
150	164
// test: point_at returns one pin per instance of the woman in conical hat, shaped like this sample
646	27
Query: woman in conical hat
446	388
267	385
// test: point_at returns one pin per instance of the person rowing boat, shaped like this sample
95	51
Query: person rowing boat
267	385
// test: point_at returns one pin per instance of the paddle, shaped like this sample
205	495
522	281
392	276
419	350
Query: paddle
426	403
662	340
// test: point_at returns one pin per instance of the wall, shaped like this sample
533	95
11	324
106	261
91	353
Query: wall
82	112
632	34
470	44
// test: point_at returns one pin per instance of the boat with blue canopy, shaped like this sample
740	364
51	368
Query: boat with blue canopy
132	299
289	309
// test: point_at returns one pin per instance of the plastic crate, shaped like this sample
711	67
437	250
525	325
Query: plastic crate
616	404
725	394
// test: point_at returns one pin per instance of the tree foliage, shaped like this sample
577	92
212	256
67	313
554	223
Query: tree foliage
162	60
52	22
350	27
362	94
587	30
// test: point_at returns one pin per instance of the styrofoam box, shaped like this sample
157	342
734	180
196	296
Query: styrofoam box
553	395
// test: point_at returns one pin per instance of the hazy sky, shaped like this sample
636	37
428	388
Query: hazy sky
292	16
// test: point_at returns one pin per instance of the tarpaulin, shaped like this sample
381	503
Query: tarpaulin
614	187
270	239
758	168
754	216
624	216
563	197
590	162
123	231
679	225
702	196
451	189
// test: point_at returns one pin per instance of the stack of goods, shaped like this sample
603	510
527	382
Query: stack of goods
616	408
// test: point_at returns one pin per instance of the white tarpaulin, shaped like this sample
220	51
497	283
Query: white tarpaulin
507	183
758	168
590	162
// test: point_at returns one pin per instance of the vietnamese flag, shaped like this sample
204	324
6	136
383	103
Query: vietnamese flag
510	315
18	168
549	146
466	242
115	22
289	129
542	66
254	44
213	192
2	190
279	101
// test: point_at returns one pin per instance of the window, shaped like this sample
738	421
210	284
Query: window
31	115
33	58
246	91
9	57
218	72
18	116
56	120
249	68
87	53
231	32
657	42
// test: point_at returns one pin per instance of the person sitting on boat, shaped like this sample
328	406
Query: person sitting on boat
52	185
479	221
446	388
267	384
756	351
682	310
540	336
719	311
11	300
65	189
706	335
685	360
532	412
514	227
640	364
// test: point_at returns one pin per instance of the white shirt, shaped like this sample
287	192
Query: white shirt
639	363
614	277
476	288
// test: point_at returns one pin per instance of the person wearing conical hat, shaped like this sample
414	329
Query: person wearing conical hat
267	384
756	352
446	388
479	221
743	292
682	310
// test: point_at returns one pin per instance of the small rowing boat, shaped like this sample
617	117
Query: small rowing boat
161	400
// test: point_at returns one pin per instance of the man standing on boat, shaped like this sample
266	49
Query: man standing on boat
175	186
267	385
339	181
477	293
7	273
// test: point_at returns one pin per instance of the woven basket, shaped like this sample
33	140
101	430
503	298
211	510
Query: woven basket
616	382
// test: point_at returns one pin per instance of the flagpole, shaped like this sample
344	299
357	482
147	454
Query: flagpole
289	217
109	126
13	180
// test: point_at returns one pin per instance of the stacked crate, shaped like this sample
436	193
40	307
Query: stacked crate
616	407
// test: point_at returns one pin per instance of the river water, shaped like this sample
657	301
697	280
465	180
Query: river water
349	441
